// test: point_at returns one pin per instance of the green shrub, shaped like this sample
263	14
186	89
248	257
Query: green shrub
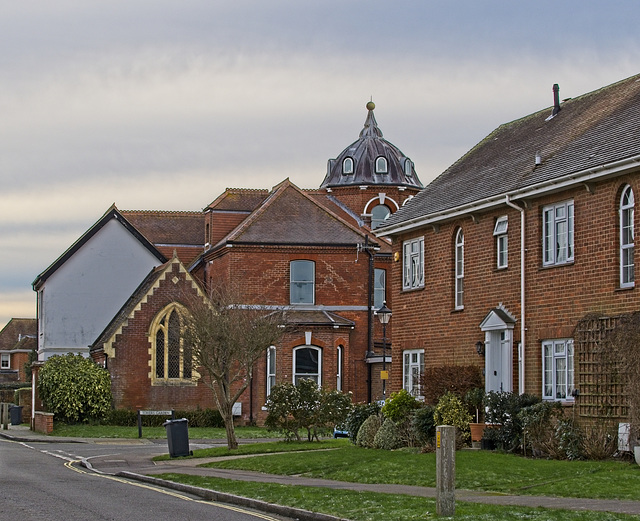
368	431
502	409
74	388
451	411
196	418
399	406
423	425
388	436
357	416
305	406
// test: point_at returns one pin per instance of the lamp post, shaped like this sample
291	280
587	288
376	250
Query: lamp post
384	314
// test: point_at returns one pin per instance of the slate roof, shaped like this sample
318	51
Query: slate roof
301	317
289	216
369	146
595	129
162	227
111	213
19	333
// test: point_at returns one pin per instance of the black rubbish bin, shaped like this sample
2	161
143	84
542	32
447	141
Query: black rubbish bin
15	411
178	437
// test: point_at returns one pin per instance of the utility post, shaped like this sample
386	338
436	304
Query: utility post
445	470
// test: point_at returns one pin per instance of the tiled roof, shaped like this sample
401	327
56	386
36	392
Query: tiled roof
162	227
595	129
19	333
239	200
289	216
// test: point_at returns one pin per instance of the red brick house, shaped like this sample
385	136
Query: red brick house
311	253
506	252
17	343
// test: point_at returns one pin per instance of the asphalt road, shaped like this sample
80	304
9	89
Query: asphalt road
45	481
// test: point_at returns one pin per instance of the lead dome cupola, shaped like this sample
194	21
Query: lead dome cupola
371	160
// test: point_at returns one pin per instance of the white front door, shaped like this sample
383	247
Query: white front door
499	360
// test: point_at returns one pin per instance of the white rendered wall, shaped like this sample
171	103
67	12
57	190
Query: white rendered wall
85	293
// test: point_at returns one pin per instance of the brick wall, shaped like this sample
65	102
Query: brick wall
556	297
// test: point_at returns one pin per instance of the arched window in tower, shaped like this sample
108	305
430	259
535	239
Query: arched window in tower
173	358
381	165
408	167
379	214
347	166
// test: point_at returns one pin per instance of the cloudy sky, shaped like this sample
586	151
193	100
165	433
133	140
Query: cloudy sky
162	105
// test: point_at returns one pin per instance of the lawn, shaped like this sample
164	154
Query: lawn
475	470
371	506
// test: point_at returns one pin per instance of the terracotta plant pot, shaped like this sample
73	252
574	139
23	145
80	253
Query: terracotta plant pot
477	431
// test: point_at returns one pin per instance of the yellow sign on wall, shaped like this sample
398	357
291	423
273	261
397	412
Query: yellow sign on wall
384	375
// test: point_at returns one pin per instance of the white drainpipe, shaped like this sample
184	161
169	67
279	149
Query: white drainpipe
522	325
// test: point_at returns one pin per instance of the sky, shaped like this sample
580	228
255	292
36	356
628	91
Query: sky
163	104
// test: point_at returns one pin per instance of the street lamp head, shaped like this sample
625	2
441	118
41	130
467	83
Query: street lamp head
384	313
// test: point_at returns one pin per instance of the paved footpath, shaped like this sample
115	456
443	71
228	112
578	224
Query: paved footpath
138	466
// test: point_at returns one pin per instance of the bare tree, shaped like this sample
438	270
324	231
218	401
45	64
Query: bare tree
227	338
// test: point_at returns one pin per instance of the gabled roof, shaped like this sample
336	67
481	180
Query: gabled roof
589	136
19	333
162	227
140	295
364	152
112	213
289	216
238	200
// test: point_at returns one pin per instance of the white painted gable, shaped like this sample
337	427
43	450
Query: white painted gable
80	298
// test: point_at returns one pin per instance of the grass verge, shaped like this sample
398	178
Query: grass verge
371	506
475	470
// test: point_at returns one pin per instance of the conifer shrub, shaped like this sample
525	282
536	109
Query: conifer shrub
423	425
388	436
368	431
456	379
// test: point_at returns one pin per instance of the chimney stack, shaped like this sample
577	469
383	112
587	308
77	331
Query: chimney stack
556	99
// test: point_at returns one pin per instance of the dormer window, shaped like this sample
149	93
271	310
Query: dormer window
381	165
347	166
408	167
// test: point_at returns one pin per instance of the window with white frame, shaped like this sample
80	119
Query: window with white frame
408	167
412	367
413	264
459	262
307	363
271	369
557	369
379	214
379	287
557	233
339	361
5	361
627	238
302	289
347	166
500	233
381	165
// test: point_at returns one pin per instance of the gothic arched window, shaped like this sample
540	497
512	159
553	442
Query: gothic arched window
172	356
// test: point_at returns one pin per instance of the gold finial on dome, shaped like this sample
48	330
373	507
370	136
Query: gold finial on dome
371	105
